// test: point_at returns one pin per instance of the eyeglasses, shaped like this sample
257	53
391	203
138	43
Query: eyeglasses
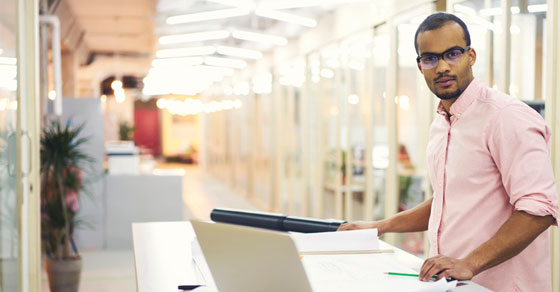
450	56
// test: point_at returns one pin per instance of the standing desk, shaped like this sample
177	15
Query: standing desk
164	258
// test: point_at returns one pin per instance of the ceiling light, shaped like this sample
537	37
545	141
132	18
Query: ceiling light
116	84
464	9
185	61
286	17
247	4
52	95
239	52
353	99
208	15
225	62
289	4
8	61
186	52
259	37
537	8
497	11
194	37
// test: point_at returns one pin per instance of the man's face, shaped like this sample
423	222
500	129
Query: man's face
446	81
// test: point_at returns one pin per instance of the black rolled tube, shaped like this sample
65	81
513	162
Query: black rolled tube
274	221
254	219
308	225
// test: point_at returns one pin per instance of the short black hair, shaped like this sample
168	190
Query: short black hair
438	20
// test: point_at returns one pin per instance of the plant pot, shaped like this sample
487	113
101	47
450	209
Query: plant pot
64	275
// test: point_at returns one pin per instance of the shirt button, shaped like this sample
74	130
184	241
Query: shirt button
439	185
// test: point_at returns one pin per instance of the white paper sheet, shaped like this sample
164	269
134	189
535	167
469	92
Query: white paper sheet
365	239
364	272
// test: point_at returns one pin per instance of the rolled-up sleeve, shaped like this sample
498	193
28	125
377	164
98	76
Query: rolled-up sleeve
518	140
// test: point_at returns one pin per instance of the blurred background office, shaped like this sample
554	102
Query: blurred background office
302	107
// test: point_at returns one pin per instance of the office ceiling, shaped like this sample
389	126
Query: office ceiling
121	37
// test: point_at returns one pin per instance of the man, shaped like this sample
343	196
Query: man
494	190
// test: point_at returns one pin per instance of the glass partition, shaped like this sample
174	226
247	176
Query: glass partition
330	92
291	78
527	51
380	148
413	109
9	243
356	58
263	148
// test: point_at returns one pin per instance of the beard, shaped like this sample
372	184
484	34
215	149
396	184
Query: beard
449	95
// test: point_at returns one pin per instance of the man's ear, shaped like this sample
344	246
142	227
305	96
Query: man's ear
420	68
472	56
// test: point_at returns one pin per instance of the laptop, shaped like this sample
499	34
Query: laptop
247	259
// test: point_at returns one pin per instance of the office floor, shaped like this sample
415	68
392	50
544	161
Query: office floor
113	270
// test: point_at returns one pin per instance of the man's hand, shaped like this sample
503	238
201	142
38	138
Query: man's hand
445	267
363	225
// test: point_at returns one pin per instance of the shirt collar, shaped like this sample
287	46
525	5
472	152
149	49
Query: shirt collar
463	101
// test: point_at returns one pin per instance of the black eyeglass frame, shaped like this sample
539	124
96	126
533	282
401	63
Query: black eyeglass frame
440	56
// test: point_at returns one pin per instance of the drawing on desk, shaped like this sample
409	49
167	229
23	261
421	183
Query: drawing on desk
353	240
364	272
271	263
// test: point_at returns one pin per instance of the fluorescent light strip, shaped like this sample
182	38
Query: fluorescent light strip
186	52
224	71
194	37
225	62
286	17
8	61
259	37
209	15
537	8
185	61
289	4
498	10
247	4
239	52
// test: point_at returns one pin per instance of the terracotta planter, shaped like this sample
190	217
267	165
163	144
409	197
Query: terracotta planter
64	275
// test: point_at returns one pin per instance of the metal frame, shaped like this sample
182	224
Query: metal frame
28	186
552	100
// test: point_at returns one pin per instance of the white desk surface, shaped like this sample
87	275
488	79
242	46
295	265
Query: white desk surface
163	257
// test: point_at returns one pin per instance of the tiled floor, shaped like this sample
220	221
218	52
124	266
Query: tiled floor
113	270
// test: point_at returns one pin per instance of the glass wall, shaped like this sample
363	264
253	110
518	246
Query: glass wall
409	128
343	132
329	88
380	148
263	153
9	238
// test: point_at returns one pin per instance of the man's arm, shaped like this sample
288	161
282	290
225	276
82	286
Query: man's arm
514	236
415	219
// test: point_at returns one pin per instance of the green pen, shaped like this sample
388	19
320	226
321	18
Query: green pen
408	275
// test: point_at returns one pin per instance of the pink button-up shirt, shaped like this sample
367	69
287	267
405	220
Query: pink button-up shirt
487	159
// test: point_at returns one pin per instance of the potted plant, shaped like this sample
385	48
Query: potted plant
62	161
126	131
